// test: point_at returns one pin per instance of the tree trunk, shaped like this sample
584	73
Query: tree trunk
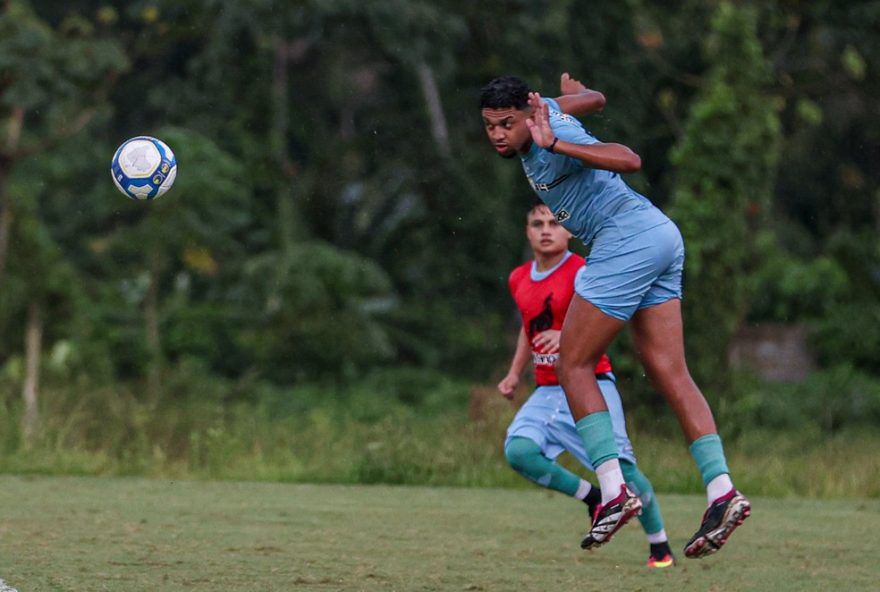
280	123
439	129
33	343
151	326
13	133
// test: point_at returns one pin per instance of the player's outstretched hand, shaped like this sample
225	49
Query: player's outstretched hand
571	86
539	122
508	385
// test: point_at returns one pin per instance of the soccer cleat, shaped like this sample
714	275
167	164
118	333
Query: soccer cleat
721	519
665	560
660	556
610	517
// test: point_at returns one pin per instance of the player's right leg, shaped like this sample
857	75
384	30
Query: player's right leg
563	430
658	338
660	554
586	334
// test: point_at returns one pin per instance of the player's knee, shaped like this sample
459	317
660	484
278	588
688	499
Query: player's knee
563	372
521	453
664	368
570	370
566	367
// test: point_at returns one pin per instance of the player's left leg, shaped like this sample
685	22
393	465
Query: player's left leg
531	451
526	458
658	338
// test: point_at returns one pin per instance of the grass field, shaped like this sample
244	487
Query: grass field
84	534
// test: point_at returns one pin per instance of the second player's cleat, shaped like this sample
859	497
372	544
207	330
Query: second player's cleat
666	560
660	556
610	517
722	518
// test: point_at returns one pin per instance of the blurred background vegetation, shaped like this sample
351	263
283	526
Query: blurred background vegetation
322	294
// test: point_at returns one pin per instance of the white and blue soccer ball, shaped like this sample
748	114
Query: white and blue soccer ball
143	168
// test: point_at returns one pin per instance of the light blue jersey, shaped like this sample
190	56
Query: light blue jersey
637	254
583	199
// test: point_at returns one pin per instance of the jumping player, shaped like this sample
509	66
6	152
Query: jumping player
633	274
543	427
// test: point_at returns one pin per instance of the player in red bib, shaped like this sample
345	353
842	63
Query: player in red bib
544	427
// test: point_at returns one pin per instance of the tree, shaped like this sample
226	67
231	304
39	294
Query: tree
53	81
726	166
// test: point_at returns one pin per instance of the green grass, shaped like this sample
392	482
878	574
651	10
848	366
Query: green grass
85	533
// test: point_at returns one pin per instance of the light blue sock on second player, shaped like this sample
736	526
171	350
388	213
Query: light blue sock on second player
651	519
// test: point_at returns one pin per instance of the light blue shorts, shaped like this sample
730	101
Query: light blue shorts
627	271
546	420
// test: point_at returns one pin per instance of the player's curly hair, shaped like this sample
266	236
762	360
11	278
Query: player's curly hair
505	91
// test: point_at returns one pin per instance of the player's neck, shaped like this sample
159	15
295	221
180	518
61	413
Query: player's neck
525	147
545	262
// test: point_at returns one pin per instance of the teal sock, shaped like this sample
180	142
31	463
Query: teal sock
526	458
651	519
709	455
598	435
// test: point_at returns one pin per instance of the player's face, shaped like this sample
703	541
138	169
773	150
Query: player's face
546	236
507	130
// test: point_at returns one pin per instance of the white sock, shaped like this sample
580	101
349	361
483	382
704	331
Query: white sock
610	479
718	486
583	490
658	537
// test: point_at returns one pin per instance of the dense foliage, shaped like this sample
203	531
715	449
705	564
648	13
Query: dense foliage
339	218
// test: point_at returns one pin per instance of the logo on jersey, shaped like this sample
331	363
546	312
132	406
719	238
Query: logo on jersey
544	319
567	118
562	216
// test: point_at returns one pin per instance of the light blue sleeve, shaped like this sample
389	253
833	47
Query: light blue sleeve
554	104
567	127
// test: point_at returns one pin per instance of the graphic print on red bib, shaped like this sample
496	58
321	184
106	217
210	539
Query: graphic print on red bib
543	304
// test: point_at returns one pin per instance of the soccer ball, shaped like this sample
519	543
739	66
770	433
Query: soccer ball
143	168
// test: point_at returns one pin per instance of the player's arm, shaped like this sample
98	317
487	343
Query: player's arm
577	99
520	358
611	157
